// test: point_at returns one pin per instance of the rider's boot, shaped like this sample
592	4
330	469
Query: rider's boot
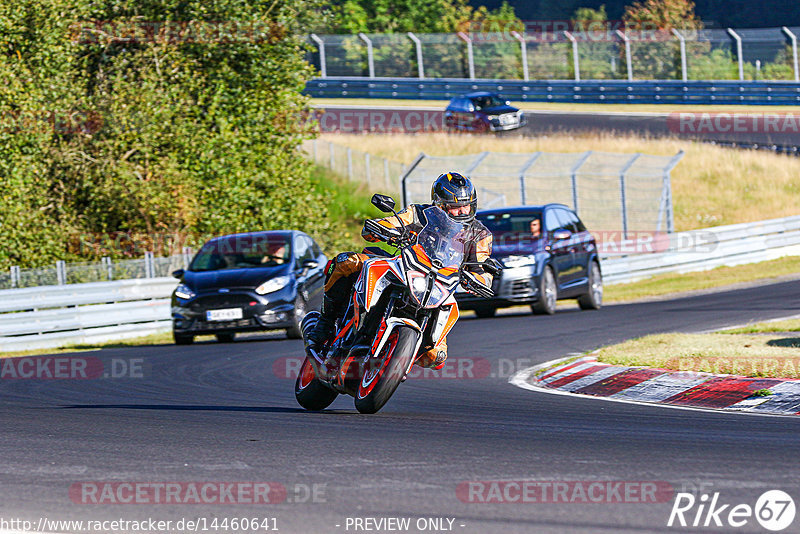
323	330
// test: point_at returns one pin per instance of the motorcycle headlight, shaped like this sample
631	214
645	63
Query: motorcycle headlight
418	284
270	286
184	292
519	261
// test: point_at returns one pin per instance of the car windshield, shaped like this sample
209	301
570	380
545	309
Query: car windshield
486	102
514	231
245	251
442	238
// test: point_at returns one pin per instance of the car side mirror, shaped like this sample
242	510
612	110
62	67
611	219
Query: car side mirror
384	203
561	235
178	274
310	264
493	267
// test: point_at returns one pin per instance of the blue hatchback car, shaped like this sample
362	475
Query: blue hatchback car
482	112
246	282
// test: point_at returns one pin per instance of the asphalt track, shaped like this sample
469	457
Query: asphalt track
223	412
723	128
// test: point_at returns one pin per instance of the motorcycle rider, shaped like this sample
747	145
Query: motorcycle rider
456	196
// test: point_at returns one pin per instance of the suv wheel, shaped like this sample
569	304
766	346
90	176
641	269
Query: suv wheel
548	293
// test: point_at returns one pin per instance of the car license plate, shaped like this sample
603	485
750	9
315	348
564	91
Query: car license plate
227	314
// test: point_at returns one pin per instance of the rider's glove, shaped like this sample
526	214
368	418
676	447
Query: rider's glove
474	285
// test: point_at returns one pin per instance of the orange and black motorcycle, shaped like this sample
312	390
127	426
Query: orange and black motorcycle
401	305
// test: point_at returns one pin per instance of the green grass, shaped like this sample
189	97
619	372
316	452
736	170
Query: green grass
154	339
754	355
561	106
789	325
669	284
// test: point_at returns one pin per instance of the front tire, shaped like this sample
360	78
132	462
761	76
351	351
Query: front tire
485	312
310	393
593	300
548	293
296	330
378	385
182	339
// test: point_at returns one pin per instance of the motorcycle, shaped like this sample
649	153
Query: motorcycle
401	305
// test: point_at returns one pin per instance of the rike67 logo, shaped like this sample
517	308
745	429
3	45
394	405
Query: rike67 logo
774	510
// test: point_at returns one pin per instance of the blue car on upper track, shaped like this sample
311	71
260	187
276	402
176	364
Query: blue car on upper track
482	112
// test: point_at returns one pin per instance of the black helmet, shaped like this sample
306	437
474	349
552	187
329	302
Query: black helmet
454	190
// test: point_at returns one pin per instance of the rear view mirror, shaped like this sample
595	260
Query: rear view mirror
492	266
384	203
310	264
178	274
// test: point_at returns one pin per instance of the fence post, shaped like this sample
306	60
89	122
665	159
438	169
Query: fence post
524	51
628	63
370	58
321	44
187	257
405	174
622	199
793	37
349	163
682	40
366	163
149	270
575	57
386	172
15	276
106	261
418	46
738	52
574	178
668	189
522	172
470	58
61	272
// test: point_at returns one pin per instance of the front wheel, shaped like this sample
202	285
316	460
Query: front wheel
594	298
548	293
295	331
310	393
182	339
485	312
380	380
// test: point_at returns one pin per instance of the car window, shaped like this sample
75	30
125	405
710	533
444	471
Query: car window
551	222
315	250
304	250
485	102
566	220
576	221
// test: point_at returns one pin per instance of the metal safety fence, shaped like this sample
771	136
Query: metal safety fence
377	172
604	52
624	192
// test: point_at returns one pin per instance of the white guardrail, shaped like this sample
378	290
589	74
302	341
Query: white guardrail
55	316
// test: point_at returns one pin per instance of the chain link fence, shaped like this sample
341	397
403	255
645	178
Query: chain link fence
103	271
356	165
712	54
610	192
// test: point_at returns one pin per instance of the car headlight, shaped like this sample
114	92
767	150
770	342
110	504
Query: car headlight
519	261
184	292
270	286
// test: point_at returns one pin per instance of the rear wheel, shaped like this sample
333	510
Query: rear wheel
296	330
310	393
390	365
485	312
226	337
548	293
594	298
182	339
